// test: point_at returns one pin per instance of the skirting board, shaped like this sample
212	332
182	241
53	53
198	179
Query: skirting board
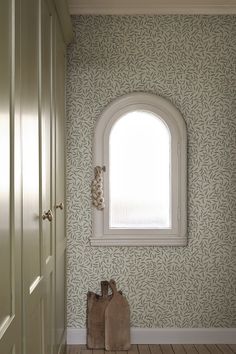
167	336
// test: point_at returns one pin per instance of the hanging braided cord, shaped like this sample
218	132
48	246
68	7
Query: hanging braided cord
97	188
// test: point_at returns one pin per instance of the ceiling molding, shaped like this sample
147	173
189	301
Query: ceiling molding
152	7
64	19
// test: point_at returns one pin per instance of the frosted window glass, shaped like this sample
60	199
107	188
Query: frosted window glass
139	172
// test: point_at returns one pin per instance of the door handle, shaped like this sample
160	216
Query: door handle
60	206
47	215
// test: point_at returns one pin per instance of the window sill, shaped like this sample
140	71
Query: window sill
141	240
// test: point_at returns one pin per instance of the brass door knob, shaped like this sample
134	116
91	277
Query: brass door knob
60	206
47	215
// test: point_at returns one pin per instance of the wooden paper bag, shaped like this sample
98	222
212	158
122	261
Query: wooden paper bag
96	306
117	321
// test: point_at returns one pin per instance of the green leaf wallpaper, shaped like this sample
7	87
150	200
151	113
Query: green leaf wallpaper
191	61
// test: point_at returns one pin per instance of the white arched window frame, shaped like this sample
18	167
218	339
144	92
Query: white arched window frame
176	235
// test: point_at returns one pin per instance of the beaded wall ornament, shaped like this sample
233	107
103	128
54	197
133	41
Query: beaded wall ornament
97	188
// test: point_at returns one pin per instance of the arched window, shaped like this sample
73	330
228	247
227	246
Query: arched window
140	155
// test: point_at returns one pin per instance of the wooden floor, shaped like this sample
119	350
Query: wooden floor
161	349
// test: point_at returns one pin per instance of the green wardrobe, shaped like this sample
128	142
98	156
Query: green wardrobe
33	38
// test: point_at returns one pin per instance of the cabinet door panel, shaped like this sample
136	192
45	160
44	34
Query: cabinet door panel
35	341
33	286
30	139
5	118
46	125
9	337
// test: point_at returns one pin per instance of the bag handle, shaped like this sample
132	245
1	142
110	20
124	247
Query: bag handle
112	285
104	288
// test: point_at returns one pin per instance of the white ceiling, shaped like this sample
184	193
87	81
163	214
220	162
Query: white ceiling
132	7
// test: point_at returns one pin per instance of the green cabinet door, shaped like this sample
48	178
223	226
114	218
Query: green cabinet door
60	234
9	261
47	171
33	279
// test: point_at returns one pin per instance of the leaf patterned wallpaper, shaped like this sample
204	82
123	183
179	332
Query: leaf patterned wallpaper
190	60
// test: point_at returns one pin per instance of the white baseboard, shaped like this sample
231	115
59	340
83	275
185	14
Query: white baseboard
167	336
